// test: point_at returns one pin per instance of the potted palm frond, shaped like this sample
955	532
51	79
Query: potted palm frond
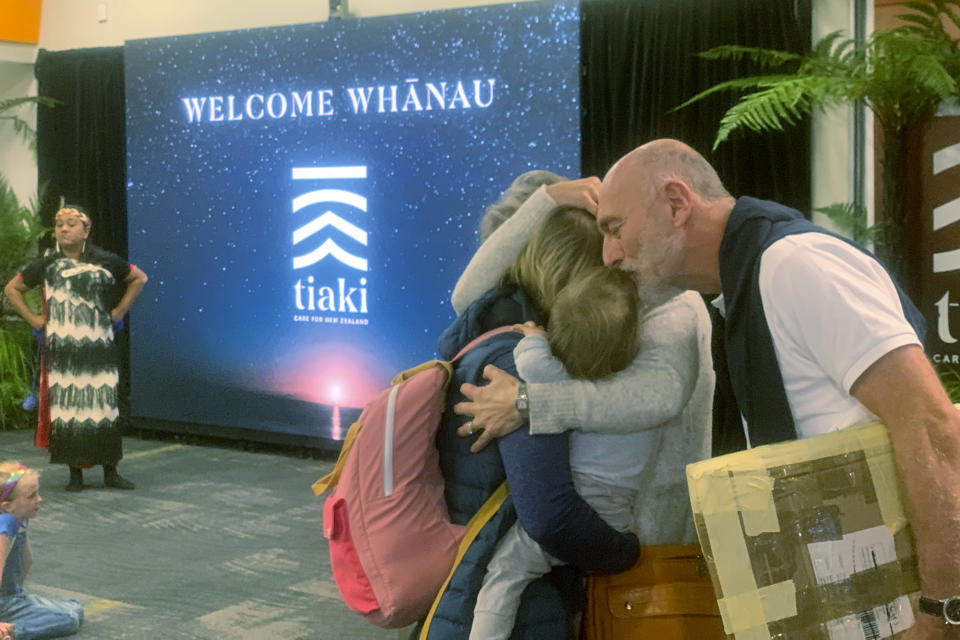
902	74
20	229
8	107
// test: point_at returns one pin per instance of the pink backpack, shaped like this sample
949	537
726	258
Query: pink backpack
392	544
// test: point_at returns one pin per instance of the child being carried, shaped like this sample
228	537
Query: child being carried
593	326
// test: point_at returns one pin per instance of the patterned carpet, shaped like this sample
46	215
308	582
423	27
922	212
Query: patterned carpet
214	543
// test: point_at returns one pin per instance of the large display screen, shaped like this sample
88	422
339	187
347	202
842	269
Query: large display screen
303	199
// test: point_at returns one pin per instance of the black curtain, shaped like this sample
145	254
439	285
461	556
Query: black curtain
640	62
82	157
81	143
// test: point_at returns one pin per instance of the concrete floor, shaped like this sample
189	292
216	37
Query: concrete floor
214	543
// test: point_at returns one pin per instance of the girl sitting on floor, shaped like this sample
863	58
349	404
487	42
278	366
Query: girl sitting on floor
26	616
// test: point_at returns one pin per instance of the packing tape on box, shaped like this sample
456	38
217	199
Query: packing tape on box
734	496
748	607
879	455
749	478
749	613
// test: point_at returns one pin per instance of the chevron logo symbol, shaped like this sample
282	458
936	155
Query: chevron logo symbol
329	246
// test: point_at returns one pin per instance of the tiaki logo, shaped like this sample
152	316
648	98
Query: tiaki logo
946	261
329	249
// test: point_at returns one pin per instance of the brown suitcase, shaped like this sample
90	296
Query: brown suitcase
667	594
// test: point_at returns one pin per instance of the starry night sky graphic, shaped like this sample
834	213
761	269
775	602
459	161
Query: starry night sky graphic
210	203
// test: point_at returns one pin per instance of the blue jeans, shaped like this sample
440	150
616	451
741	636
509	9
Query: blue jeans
35	617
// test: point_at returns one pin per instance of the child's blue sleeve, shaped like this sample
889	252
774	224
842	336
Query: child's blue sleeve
9	525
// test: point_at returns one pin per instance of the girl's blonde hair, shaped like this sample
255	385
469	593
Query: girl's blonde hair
564	244
594	323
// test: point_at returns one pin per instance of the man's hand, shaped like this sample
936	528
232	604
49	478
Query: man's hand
492	406
6	631
583	193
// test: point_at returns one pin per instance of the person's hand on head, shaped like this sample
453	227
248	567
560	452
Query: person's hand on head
493	407
530	328
583	193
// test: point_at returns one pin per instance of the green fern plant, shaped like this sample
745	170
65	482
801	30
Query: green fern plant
851	220
20	228
17	364
901	74
950	379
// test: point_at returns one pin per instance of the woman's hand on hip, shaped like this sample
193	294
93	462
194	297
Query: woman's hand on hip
38	322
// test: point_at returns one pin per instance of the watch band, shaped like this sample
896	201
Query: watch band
948	609
522	402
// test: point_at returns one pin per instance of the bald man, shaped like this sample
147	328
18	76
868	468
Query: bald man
818	336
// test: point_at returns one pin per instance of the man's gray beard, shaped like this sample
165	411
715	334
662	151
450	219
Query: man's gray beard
657	295
653	294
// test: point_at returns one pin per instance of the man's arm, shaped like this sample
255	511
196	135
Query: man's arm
14	291
653	389
135	281
903	390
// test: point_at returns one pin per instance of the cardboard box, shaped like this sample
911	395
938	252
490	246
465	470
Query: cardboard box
808	539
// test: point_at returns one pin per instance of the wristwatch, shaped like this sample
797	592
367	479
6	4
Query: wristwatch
522	402
948	609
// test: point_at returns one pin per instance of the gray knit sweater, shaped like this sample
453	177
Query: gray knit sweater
668	388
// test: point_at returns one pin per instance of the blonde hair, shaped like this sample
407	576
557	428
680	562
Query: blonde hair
565	243
594	323
7	469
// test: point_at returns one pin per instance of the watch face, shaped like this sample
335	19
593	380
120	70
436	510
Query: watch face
951	610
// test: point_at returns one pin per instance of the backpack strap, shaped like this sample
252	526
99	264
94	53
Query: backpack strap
477	522
330	480
481	338
409	373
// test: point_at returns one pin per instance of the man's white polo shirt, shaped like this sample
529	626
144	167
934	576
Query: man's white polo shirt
832	311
